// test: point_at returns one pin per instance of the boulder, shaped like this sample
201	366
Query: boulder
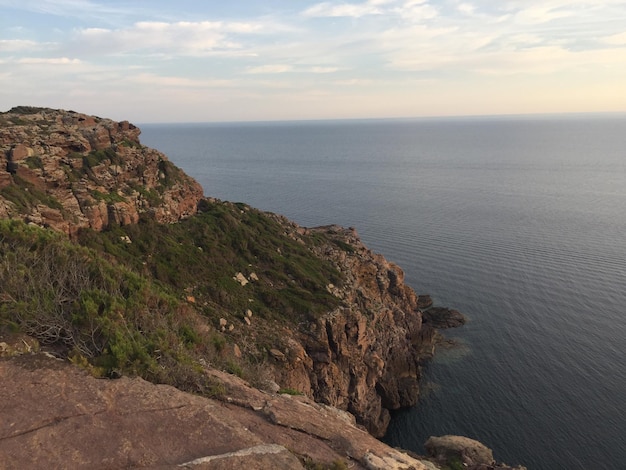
441	317
449	449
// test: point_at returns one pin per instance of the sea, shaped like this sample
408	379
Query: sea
519	222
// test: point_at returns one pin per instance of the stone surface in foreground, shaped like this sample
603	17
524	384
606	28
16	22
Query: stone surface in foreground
54	415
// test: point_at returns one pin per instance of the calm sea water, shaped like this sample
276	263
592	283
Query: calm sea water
520	223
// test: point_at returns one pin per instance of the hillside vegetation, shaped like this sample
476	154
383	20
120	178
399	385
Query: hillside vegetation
113	257
147	298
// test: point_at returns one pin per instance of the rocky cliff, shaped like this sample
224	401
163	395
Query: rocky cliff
70	171
365	356
67	170
309	311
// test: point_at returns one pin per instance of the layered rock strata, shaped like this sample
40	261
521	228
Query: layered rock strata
365	357
67	170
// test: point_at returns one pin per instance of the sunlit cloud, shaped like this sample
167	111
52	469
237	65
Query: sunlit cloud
183	38
616	39
360	54
355	10
270	69
324	69
177	82
12	45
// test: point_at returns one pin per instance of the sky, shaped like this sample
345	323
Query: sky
206	61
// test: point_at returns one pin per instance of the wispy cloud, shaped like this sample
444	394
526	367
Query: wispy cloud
355	10
48	61
324	69
67	8
618	39
12	45
327	51
270	69
183	38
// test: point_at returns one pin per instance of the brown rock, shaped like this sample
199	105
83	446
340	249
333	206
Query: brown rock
56	416
71	171
446	449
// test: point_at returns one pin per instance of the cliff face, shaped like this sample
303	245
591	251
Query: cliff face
67	170
365	356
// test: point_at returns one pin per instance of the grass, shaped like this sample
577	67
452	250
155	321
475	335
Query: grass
97	312
120	308
26	196
203	254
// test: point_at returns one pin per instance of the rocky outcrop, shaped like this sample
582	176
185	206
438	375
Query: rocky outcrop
465	452
67	170
442	318
57	416
364	357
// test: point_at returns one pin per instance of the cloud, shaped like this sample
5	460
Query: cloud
270	69
12	45
354	10
157	37
48	61
151	79
66	8
186	38
618	39
324	69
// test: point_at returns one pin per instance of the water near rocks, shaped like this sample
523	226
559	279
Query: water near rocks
520	223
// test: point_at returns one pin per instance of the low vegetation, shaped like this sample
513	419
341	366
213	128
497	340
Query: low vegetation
149	299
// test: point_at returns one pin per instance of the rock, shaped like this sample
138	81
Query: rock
441	317
249	313
92	167
424	302
259	457
17	344
56	416
446	449
276	354
241	279
366	355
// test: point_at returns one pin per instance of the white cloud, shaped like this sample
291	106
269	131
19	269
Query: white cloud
151	79
67	8
324	69
354	10
17	45
270	69
185	38
48	61
416	11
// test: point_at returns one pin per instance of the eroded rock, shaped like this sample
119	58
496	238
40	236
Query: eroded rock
94	168
57	416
